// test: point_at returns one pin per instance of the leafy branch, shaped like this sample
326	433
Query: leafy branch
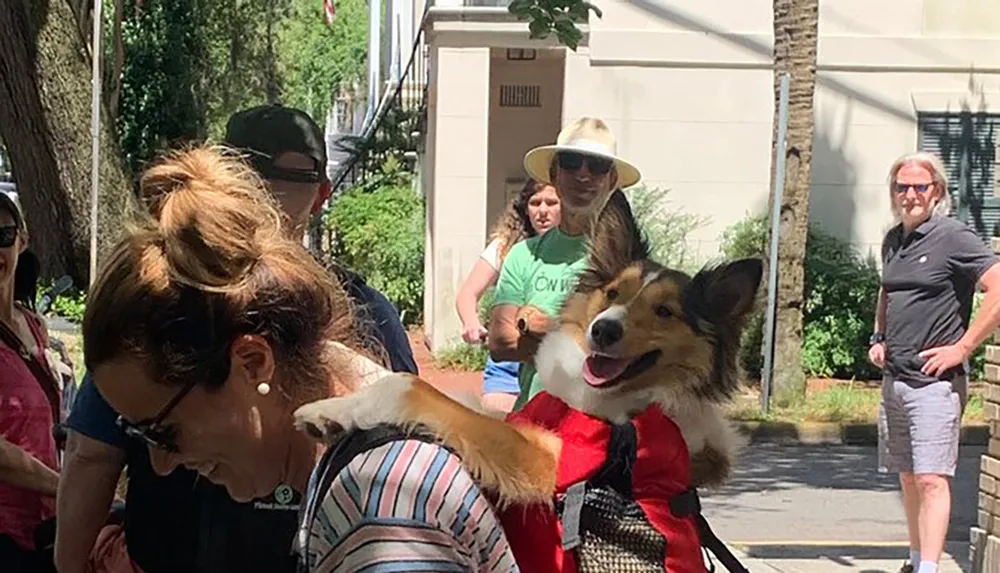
559	16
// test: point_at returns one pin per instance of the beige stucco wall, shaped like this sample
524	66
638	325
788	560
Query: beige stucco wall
687	86
704	134
456	210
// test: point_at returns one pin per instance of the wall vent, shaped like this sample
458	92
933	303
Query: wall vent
520	96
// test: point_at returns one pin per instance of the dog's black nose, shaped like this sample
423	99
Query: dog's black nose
606	332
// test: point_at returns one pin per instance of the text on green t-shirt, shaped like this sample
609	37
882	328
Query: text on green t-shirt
542	272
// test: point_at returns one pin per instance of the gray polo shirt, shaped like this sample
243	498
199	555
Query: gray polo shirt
929	277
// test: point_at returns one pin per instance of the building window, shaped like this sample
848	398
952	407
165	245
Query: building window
967	144
521	54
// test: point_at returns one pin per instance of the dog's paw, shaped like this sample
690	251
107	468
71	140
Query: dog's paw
378	403
710	468
325	419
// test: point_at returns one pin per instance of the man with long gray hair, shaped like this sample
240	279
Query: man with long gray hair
931	266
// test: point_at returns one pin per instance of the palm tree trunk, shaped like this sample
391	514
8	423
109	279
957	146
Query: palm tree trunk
796	24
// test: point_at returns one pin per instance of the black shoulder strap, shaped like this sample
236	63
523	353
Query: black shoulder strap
334	460
688	503
616	471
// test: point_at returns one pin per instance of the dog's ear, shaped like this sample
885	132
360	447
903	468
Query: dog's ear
725	293
615	243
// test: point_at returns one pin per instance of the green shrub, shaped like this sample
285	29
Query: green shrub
977	362
748	238
841	295
486	305
841	289
379	230
462	356
70	305
666	229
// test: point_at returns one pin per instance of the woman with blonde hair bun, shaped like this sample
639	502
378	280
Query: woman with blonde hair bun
208	327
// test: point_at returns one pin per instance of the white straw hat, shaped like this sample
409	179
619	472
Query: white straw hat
588	136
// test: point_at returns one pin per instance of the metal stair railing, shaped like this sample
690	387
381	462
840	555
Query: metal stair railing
396	129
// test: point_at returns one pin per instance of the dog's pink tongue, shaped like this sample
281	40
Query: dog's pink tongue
599	370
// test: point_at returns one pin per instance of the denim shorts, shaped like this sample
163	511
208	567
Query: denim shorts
501	377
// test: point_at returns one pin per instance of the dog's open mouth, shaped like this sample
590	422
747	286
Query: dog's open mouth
601	371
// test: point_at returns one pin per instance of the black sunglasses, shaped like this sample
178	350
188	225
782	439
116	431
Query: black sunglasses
572	161
919	188
153	431
8	234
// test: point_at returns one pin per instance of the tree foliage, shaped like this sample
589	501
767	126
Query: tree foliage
315	59
174	71
241	65
190	64
841	289
161	104
666	227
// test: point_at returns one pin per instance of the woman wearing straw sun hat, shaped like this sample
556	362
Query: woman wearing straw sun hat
539	273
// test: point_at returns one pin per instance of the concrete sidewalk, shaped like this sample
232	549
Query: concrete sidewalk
873	558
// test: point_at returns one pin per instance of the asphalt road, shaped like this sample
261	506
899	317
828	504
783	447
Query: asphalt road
805	501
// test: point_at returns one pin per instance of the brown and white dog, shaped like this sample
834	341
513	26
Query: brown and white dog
633	333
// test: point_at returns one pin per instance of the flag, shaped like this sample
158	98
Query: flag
329	11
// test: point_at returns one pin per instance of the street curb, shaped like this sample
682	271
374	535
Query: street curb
834	433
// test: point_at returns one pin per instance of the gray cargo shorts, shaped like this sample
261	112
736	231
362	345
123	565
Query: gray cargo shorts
919	426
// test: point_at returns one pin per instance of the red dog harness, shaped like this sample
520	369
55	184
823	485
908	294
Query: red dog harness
623	498
635	477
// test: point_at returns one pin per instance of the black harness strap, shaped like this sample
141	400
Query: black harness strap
616	471
688	503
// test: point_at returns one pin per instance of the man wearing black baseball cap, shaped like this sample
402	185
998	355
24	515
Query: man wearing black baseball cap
177	522
286	147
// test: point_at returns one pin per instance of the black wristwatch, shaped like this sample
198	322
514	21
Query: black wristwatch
876	338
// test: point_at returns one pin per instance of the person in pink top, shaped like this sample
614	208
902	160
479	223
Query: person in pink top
28	403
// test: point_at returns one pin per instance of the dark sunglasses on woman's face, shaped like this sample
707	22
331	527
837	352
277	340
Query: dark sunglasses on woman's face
153	431
8	234
571	161
918	187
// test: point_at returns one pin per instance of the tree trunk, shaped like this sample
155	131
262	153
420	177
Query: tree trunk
271	83
45	103
796	25
115	83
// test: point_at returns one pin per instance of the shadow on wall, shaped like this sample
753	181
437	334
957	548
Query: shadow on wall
833	180
833	185
669	14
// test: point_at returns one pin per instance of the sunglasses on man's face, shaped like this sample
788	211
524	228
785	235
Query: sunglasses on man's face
571	161
918	187
152	431
8	234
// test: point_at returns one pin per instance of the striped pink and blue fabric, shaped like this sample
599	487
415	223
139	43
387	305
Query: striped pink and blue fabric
407	506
